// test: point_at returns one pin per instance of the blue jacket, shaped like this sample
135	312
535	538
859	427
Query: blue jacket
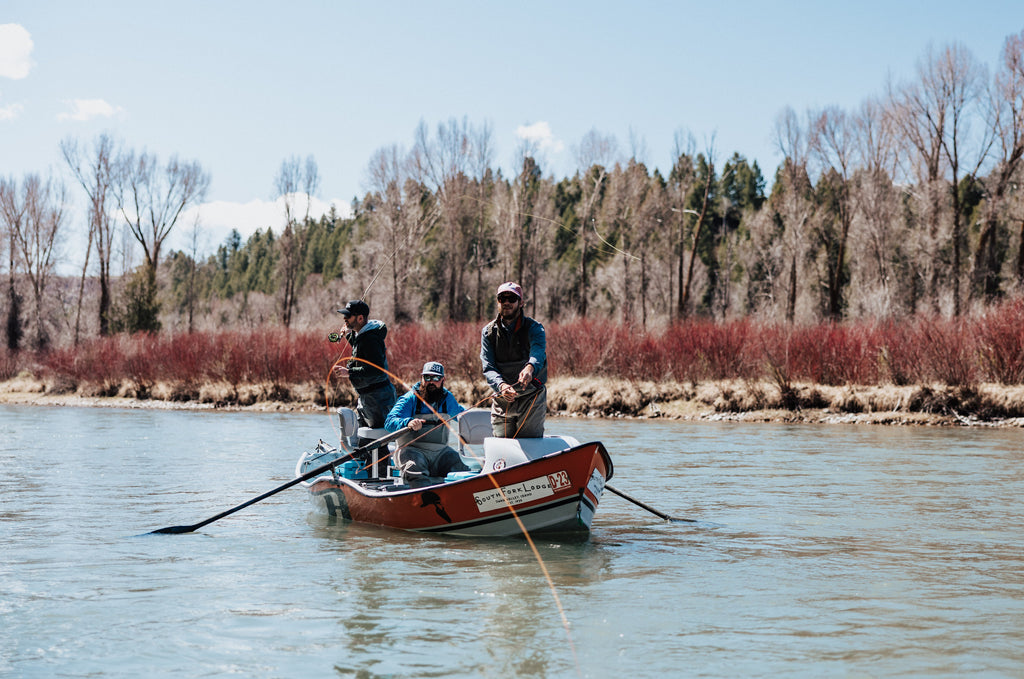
411	407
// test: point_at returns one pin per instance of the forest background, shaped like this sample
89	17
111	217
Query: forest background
882	271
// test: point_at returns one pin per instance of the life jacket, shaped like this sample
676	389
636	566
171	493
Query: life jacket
512	350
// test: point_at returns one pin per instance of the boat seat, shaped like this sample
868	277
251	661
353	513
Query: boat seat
347	421
368	434
474	427
348	426
500	453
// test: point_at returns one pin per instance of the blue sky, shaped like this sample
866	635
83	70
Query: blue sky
240	86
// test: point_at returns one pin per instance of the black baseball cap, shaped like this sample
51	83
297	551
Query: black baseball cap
356	307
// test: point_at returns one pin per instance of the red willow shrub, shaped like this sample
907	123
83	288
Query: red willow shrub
703	350
9	364
98	361
1000	343
957	352
898	355
945	352
833	354
456	345
584	347
275	356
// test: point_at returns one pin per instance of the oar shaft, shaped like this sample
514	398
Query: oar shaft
642	505
384	440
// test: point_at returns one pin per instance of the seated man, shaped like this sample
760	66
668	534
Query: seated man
424	456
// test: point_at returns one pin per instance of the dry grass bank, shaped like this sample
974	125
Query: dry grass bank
738	400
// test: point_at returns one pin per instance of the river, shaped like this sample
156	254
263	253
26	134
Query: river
817	550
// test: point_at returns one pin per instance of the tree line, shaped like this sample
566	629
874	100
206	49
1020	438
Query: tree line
908	204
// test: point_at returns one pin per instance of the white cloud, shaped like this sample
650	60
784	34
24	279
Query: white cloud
87	109
15	51
540	134
217	218
10	112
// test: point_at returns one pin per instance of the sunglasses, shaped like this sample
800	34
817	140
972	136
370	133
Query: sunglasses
432	378
507	298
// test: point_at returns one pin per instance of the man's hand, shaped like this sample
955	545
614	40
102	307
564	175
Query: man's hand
341	370
526	376
507	392
416	424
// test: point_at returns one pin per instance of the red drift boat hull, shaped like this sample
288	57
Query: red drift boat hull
558	492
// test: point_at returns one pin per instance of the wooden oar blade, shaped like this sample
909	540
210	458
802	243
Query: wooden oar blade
173	530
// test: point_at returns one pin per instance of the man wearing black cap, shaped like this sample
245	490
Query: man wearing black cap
513	351
366	369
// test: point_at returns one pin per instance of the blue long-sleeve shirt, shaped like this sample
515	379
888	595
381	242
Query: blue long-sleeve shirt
409	407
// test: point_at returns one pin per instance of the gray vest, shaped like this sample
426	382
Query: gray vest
434	440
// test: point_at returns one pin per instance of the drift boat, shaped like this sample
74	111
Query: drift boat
540	485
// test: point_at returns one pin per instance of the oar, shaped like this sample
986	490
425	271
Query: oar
652	510
384	440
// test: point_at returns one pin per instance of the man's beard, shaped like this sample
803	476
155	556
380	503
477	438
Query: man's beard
433	392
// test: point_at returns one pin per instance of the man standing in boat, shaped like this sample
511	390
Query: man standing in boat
366	369
513	350
424	455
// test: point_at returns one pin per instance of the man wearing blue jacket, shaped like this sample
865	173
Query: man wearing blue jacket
423	454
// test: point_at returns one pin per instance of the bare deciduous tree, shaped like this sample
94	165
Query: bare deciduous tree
877	253
681	182
594	155
12	215
446	163
483	157
791	199
628	191
932	114
151	199
94	170
1006	120
293	177
832	143
401	214
35	215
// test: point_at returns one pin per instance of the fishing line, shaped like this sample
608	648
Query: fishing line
565	228
526	533
525	417
380	270
336	428
494	482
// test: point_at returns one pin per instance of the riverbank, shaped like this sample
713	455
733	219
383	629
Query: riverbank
724	400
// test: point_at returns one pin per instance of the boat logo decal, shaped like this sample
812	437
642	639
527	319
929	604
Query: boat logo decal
520	493
336	504
430	498
596	484
498	464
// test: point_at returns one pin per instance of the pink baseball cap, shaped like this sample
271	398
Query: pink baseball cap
511	287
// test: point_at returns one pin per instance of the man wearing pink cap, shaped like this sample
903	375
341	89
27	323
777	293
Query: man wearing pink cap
513	351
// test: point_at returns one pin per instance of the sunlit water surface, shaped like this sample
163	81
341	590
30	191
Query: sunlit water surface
829	550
